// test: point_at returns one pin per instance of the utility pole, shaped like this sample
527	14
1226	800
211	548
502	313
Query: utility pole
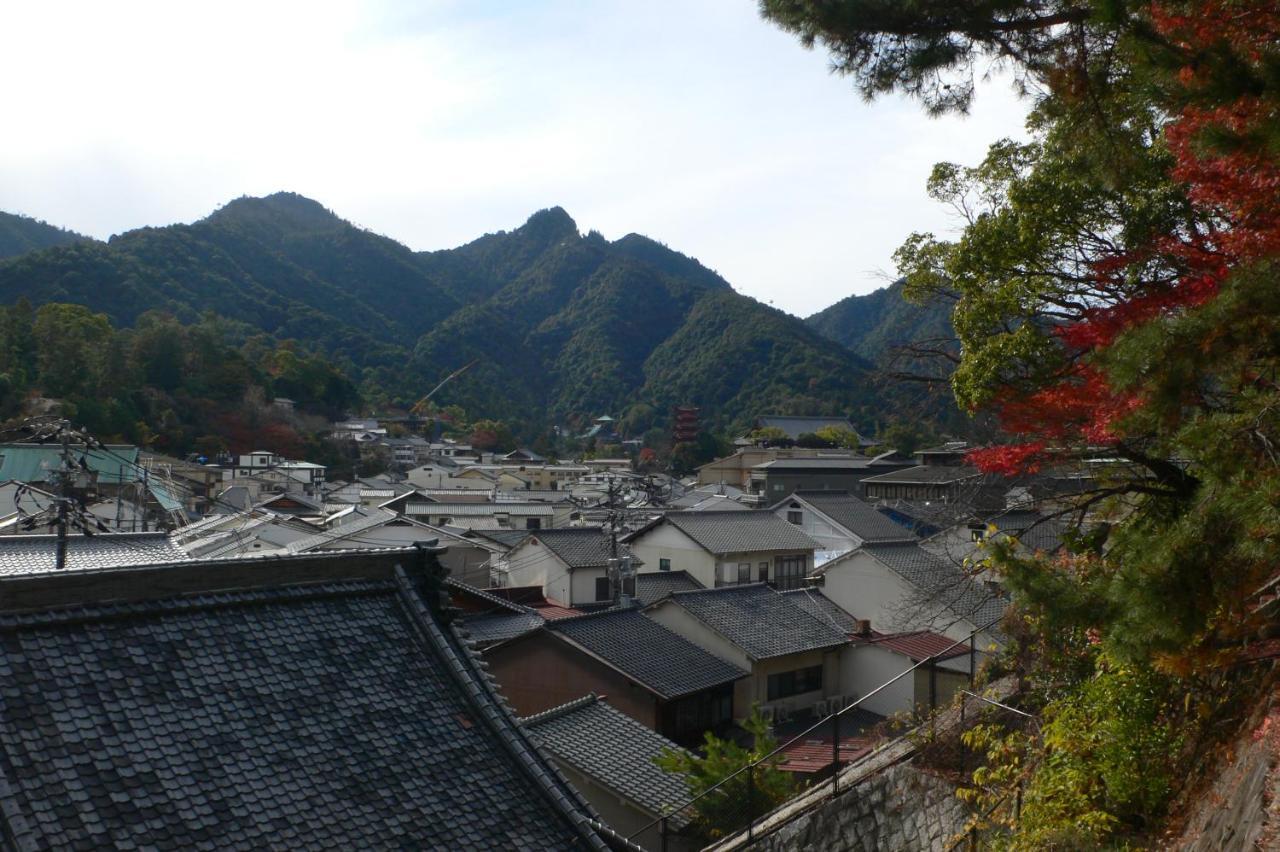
64	480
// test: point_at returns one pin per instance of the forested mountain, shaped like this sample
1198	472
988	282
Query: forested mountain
561	325
873	324
21	234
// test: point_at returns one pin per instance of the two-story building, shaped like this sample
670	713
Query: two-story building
838	521
793	656
570	565
726	548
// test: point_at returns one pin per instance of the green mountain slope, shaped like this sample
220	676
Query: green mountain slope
873	324
560	325
21	234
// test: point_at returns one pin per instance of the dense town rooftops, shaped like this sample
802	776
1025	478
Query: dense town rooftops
581	547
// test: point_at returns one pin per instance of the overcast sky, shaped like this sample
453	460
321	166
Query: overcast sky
692	121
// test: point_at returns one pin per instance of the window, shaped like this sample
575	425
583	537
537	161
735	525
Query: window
744	572
603	592
791	570
664	564
764	572
787	684
795	517
777	486
533	523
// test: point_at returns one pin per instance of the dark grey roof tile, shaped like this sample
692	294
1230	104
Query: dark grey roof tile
647	652
759	620
740	532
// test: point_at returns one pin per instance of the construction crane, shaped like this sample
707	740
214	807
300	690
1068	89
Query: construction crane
421	405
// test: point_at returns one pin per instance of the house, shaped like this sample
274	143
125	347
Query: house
464	559
771	481
900	586
793	657
255	530
926	483
838	521
470	515
319	700
966	539
609	758
267	466
662	680
570	564
875	660
726	548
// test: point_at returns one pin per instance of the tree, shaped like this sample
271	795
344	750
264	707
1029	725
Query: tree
929	49
749	783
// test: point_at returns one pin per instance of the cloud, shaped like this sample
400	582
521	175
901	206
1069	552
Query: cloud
697	124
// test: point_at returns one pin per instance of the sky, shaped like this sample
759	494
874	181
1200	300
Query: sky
693	122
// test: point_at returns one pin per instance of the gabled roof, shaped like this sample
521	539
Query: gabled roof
854	515
921	645
759	620
580	547
666	664
734	532
938	580
363	522
30	554
614	750
821	607
463	510
300	702
653	586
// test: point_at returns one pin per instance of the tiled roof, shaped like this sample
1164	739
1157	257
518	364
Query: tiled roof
29	554
818	463
1032	529
506	538
337	715
932	474
500	626
614	750
821	607
856	516
759	620
480	509
740	532
581	547
940	581
357	523
647	652
922	644
653	586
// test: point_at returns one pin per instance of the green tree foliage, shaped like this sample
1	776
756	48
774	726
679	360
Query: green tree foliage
739	797
560	326
1117	300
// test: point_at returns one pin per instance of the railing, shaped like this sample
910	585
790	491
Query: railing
737	803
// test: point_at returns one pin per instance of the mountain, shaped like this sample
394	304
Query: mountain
20	234
559	324
872	325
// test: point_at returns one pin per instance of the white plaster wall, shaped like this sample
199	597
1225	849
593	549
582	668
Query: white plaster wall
866	667
666	542
531	564
817	527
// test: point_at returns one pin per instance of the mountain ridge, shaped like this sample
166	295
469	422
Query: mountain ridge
562	325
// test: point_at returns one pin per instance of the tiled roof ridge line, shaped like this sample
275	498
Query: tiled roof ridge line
510	606
494	712
560	710
73	614
583	616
